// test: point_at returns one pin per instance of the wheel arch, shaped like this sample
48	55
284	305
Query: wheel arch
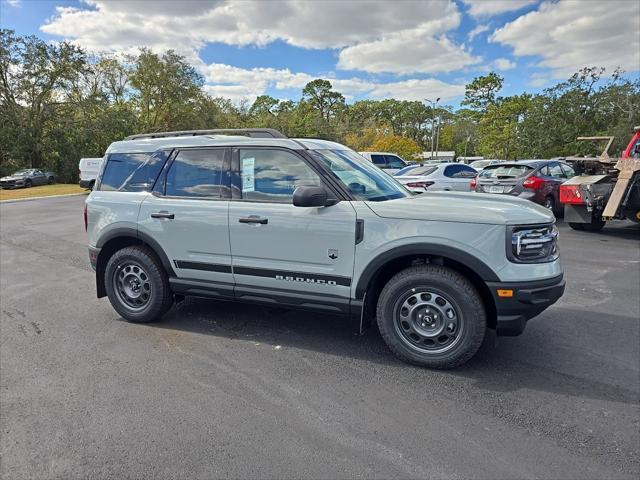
386	265
118	239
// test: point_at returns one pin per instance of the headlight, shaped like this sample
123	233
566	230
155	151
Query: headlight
532	243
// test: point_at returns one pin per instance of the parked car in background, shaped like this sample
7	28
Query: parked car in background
482	164
440	176
27	178
89	170
535	180
389	162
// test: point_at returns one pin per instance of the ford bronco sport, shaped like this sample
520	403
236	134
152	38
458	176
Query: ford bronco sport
262	218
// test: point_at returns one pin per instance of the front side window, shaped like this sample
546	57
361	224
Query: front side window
196	173
362	179
270	175
395	162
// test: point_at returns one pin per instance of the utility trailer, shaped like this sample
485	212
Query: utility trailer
603	188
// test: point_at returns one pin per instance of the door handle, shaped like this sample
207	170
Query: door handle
254	219
163	214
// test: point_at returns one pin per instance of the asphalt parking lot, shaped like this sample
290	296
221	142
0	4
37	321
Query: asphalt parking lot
230	390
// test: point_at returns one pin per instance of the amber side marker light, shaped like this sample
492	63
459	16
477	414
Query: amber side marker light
505	293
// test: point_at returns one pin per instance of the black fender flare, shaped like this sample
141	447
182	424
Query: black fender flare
426	249
131	232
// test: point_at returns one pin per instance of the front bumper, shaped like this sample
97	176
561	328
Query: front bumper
12	184
527	300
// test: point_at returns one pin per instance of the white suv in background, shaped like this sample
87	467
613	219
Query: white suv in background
389	162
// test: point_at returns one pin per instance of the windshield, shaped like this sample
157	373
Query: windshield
416	170
362	178
480	164
505	171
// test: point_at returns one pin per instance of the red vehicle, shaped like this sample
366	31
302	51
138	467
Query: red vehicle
604	189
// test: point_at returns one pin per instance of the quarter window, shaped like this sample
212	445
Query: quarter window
196	173
568	171
273	175
121	167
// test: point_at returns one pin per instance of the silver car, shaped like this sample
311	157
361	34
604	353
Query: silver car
310	224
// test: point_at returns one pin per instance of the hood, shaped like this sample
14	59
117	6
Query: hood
464	208
12	177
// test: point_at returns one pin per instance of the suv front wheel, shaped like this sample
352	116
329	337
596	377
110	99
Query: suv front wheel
137	285
431	316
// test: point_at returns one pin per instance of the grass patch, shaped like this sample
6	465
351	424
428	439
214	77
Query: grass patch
41	191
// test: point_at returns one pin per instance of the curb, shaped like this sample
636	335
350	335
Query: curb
17	200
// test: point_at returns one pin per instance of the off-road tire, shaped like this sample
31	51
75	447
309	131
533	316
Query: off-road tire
457	290
160	296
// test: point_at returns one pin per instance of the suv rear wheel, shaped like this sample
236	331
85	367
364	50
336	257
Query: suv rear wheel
137	285
431	316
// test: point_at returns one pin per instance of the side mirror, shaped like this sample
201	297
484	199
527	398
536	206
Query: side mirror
311	196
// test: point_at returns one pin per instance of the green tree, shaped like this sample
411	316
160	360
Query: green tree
321	97
481	92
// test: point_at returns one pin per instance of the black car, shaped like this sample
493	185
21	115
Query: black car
535	180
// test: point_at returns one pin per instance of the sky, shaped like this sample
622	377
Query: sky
403	49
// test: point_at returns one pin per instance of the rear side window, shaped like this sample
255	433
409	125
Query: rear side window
131	172
379	160
196	173
555	170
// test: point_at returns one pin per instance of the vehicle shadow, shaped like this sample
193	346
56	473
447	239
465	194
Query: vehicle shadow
496	368
622	229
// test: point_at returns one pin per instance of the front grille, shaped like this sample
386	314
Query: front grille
532	244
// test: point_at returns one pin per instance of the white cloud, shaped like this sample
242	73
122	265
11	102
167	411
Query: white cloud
488	8
477	30
397	37
239	83
326	24
571	35
405	52
503	64
13	3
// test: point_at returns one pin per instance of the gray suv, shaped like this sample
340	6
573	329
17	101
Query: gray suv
261	218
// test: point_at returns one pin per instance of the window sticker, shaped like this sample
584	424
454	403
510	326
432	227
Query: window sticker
248	174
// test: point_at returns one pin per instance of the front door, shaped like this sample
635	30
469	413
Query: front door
188	216
282	253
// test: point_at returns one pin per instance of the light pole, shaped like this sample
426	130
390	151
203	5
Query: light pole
433	111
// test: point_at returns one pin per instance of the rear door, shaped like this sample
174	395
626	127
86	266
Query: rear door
187	215
282	253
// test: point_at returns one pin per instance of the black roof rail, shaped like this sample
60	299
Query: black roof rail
249	132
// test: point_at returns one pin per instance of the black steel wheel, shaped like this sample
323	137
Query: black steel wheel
432	316
137	285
